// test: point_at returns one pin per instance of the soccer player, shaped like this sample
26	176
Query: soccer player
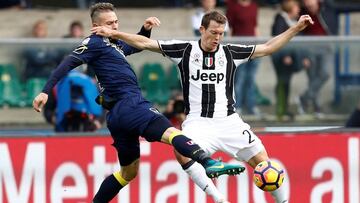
207	74
130	115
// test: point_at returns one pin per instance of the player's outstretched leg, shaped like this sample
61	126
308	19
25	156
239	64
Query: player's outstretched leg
198	175
188	148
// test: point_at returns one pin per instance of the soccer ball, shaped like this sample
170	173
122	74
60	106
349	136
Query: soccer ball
268	175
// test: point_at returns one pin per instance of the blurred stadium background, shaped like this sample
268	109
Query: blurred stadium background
320	155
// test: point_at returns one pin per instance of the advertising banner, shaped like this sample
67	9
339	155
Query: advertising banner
320	168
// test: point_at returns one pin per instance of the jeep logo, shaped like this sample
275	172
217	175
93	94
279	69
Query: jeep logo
218	77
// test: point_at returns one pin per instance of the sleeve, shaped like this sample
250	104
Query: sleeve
173	49
61	71
144	32
128	50
241	53
90	48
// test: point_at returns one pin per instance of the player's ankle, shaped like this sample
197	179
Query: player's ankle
209	162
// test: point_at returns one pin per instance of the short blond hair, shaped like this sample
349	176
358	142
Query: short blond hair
97	8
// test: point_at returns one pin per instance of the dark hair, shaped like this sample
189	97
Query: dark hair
213	15
100	7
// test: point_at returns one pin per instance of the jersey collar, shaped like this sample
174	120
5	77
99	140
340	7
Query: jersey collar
217	48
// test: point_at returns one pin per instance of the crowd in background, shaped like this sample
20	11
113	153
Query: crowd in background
242	21
84	4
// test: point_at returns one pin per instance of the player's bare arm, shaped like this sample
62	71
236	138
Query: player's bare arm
134	40
279	41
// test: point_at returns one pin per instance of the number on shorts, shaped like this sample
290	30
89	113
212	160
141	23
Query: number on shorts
250	138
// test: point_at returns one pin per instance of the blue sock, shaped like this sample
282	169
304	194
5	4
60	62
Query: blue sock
188	148
109	188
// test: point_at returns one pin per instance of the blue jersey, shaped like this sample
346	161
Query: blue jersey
107	58
131	115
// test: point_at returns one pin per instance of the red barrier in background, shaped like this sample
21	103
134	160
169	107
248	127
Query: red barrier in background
321	168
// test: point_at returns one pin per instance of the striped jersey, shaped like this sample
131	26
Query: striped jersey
207	77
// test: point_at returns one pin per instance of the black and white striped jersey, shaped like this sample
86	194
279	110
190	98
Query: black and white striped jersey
207	77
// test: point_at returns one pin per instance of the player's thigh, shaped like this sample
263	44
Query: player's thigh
128	153
202	133
127	146
159	129
137	117
250	147
237	139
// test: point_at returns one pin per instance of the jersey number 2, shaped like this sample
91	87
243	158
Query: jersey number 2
249	134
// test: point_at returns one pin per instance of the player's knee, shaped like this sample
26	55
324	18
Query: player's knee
255	160
169	134
128	175
130	172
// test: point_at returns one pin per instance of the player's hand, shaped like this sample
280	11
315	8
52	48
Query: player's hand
151	22
102	31
304	21
40	101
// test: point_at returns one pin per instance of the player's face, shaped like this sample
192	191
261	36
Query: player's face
212	36
107	19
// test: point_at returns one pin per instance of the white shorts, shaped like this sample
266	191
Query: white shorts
229	134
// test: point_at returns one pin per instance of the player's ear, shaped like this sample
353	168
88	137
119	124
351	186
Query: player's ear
202	29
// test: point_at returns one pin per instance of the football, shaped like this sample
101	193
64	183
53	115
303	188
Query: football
268	175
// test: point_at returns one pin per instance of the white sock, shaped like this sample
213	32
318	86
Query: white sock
280	195
198	175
